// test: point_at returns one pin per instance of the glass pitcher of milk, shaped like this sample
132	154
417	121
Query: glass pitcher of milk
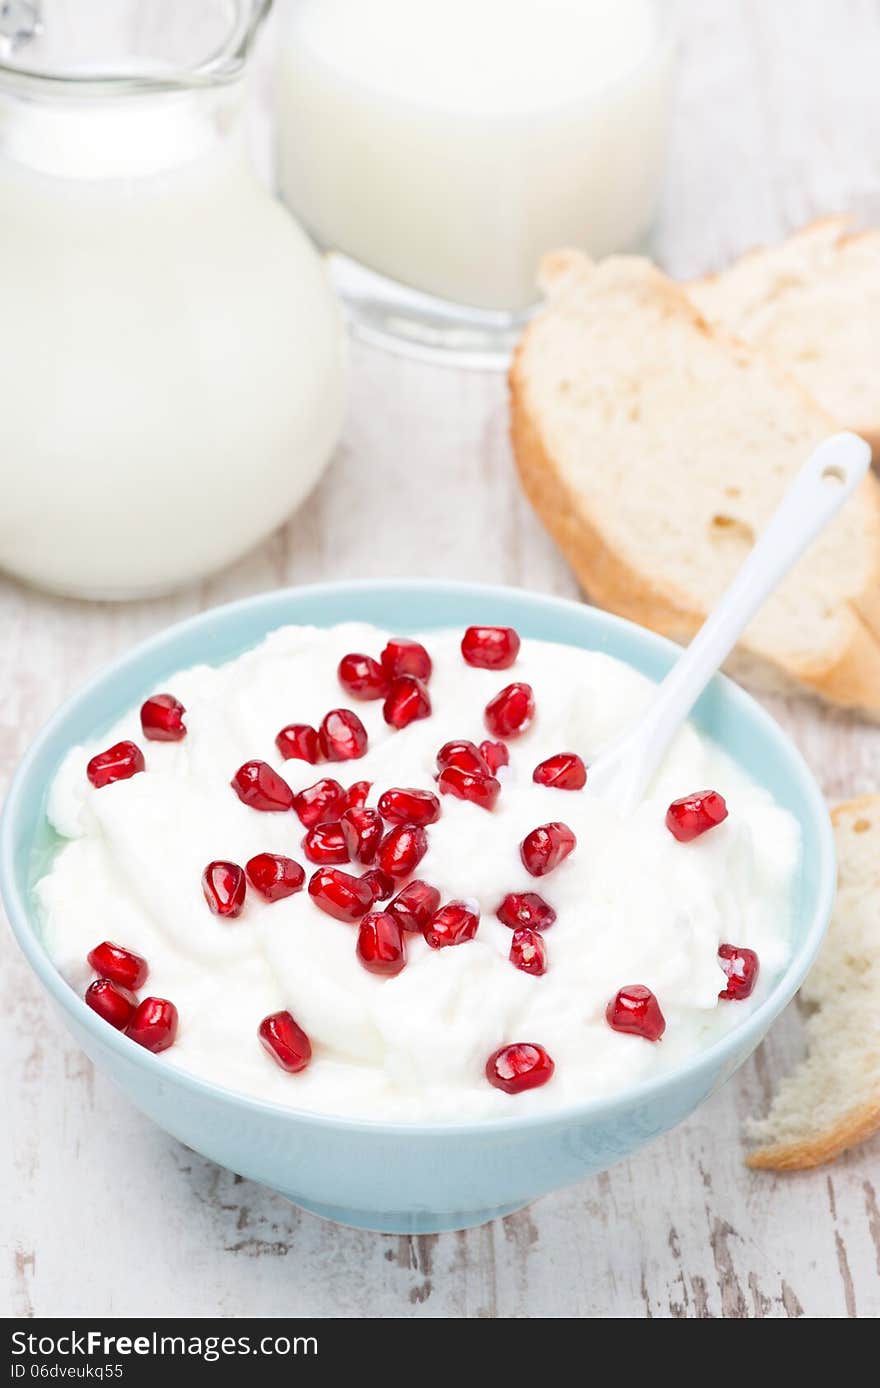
172	359
438	148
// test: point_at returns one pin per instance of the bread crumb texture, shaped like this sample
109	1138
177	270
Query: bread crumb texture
813	304
831	1101
655	449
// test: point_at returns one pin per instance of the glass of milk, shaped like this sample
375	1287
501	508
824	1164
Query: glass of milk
172	358
439	148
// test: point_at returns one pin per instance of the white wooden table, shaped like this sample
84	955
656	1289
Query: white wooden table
778	120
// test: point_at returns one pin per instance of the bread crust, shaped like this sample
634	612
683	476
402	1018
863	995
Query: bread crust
862	1120
849	677
837	223
854	1127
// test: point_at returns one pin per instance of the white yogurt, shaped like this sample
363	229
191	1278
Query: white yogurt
634	906
450	144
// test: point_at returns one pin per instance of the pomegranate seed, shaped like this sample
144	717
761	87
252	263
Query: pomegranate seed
402	657
342	736
362	831
454	924
320	803
635	1010
154	1025
546	847
356	795
274	876
526	909
285	1042
524	1065
119	965
693	815
407	701
380	884
380	946
162	718
299	741
363	677
261	788
480	790
224	886
402	849
741	966
119	763
465	756
511	711
565	771
413	907
490	648
410	806
326	843
342	896
528	952
114	1004
495	755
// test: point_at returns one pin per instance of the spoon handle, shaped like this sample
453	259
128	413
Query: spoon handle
815	496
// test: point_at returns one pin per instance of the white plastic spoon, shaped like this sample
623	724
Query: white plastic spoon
623	770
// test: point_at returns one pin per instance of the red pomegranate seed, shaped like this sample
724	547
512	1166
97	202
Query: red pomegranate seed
528	952
635	1010
320	803
119	763
261	788
495	755
274	876
741	966
565	771
465	756
299	741
326	843
511	711
693	815
380	946
380	884
356	795
454	924
490	648
480	790
119	965
408	700
414	906
363	677
342	896
113	1003
524	1065
224	886
527	910
154	1025
362	831
403	657
402	849
285	1042
546	847
162	718
409	806
342	736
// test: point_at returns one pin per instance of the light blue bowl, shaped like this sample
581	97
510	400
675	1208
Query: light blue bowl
392	1177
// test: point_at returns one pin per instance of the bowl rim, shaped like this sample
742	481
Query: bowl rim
22	915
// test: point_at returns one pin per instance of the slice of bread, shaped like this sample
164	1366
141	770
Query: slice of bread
832	1099
655	449
812	303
